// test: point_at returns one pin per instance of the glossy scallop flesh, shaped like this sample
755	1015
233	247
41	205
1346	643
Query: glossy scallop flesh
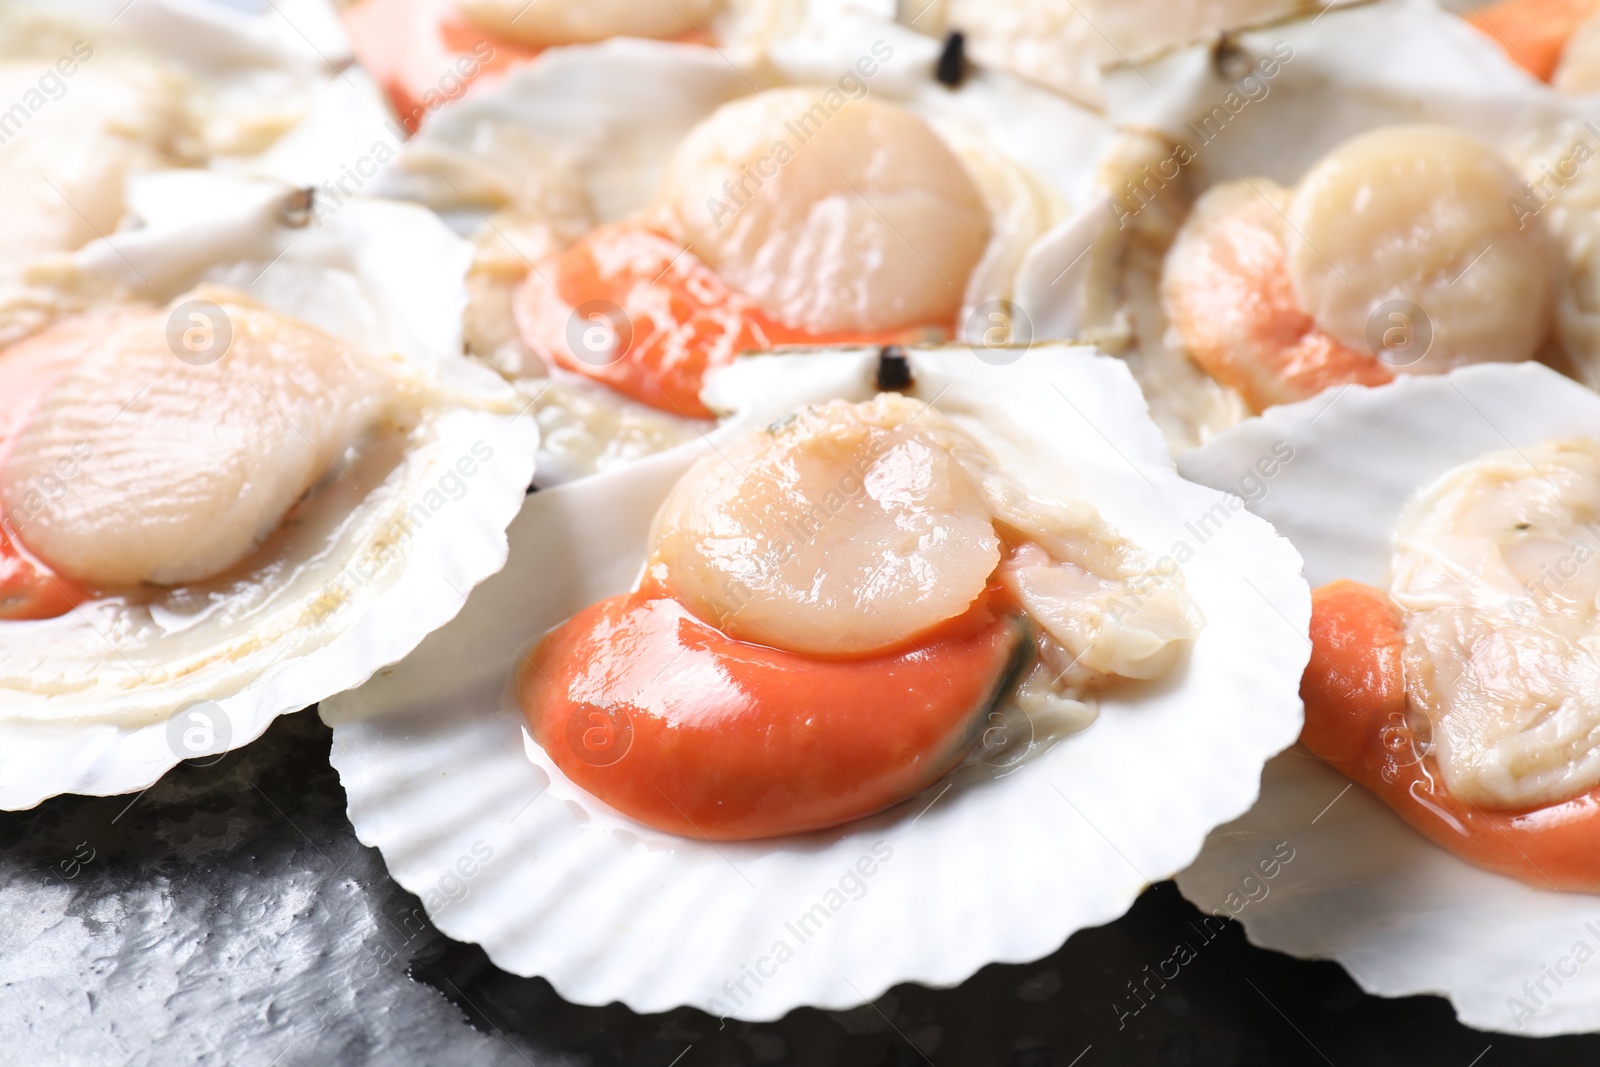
434	753
190	462
1366	888
1422	214
843	530
835	213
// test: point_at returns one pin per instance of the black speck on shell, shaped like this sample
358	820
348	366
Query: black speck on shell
1230	59
894	370
952	67
296	209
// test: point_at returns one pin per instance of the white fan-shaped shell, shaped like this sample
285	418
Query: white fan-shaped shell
617	134
606	138
1341	73
262	89
282	63
1314	83
1065	45
984	867
1403	915
233	40
387	277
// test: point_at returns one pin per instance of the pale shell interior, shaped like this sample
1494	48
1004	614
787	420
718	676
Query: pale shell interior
247	87
87	710
1403	915
1347	71
1291	93
984	867
282	67
605	138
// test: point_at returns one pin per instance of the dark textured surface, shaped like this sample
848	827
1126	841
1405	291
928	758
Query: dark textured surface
229	916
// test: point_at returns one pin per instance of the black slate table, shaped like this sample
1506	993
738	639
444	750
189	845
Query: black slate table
229	916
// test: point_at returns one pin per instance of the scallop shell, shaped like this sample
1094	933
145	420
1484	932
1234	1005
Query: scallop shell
388	277
617	134
262	91
1065	46
279	71
1392	61
992	864
1309	85
285	36
606	139
1403	915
